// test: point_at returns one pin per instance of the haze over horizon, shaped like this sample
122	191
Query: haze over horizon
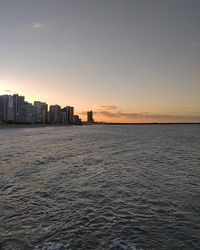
128	60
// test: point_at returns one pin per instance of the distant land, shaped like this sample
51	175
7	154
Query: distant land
86	124
148	123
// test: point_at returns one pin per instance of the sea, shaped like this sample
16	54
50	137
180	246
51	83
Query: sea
112	187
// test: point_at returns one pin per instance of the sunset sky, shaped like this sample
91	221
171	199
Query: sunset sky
127	60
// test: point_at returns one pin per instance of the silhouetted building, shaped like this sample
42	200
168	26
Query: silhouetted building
55	114
16	106
29	113
12	109
63	117
68	115
90	119
77	120
3	108
41	109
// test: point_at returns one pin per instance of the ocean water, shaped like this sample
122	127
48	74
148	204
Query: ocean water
100	187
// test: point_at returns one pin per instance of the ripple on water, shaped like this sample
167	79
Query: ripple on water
100	188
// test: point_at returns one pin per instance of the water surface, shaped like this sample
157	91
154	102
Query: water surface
100	187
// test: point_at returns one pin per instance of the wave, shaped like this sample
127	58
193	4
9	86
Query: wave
52	246
14	244
122	245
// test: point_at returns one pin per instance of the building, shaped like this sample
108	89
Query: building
3	108
77	120
12	109
17	103
41	109
67	115
90	119
29	113
55	114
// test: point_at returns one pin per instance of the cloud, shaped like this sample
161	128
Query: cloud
145	115
109	107
8	91
113	112
103	108
38	25
131	115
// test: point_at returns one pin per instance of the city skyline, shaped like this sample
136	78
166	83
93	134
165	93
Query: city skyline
128	61
15	109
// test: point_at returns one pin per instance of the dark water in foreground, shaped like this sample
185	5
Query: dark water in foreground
100	187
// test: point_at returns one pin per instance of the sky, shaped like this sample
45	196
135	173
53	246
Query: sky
127	60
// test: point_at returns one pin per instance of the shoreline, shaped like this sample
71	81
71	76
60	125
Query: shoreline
152	123
3	126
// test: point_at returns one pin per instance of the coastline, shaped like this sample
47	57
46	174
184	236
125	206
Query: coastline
152	123
4	126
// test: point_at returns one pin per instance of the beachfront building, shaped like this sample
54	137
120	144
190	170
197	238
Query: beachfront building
17	103
41	109
90	119
12	109
55	114
3	108
77	120
29	113
67	115
11	115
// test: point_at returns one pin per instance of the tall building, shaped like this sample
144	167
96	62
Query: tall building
29	113
55	114
41	109
68	115
3	108
90	119
18	108
11	109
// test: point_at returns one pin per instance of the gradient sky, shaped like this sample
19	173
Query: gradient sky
128	60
